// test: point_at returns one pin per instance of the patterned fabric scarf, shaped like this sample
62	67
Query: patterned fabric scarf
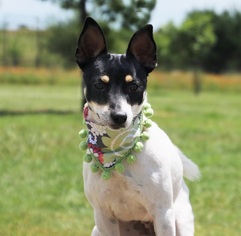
107	148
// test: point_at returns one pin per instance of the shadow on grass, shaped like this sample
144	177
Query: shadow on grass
36	112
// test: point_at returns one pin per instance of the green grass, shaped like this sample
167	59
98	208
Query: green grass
41	165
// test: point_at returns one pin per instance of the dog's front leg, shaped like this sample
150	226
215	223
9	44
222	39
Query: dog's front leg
105	225
164	222
162	208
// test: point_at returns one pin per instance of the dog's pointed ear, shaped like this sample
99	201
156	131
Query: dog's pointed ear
91	43
143	47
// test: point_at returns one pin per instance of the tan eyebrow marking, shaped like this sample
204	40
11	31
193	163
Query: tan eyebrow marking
105	79
128	78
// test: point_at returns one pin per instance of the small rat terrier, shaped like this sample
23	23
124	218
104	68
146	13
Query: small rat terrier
133	173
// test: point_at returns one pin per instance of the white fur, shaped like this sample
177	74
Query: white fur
151	190
99	114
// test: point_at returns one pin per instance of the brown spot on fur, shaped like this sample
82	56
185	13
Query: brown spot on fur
105	79
128	78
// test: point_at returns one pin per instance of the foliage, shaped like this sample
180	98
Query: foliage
62	40
190	43
117	12
165	37
41	165
196	36
15	53
205	39
28	48
226	52
131	14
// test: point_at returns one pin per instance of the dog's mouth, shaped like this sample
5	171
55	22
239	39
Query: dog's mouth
116	127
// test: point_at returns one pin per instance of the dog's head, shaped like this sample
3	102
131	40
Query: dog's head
115	85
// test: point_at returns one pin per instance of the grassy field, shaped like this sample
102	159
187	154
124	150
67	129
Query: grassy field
41	165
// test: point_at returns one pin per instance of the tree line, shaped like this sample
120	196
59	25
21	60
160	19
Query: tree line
204	40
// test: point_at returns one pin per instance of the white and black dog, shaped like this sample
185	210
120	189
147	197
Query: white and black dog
138	187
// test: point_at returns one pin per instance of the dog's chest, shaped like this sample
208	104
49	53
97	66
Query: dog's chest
122	197
130	204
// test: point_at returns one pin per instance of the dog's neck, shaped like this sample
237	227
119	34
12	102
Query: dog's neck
107	147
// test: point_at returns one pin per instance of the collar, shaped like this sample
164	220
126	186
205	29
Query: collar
107	148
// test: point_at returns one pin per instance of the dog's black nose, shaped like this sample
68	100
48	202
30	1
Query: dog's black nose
119	117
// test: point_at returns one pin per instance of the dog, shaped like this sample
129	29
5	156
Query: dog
138	188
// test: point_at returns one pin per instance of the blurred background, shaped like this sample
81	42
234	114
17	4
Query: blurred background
195	91
197	37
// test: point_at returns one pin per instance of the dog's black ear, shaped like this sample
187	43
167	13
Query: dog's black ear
91	42
143	47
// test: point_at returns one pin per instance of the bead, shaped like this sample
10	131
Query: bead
147	105
106	175
83	145
138	147
148	112
131	159
147	123
83	133
88	158
120	168
94	167
145	136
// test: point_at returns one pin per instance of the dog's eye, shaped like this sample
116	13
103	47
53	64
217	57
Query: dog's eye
99	85
133	87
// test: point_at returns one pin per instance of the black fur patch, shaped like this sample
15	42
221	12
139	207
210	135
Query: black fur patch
116	67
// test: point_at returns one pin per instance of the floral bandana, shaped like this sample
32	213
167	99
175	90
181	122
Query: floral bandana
107	148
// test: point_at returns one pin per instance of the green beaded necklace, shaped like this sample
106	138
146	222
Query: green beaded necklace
106	149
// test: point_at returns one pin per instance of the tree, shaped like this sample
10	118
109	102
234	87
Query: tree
196	38
205	40
129	14
226	52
